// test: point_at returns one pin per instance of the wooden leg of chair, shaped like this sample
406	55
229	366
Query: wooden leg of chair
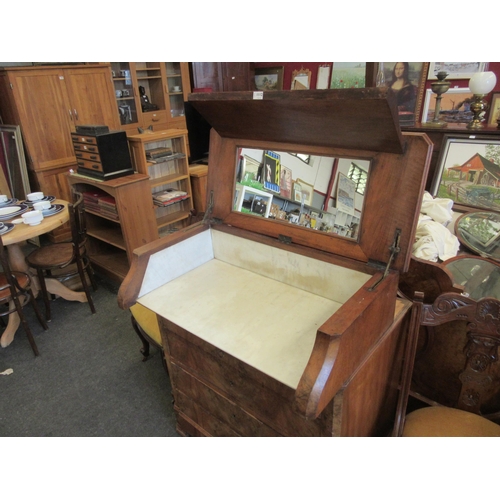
91	275
26	327
12	326
86	288
45	294
37	311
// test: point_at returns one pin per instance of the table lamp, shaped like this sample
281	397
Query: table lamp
480	85
439	87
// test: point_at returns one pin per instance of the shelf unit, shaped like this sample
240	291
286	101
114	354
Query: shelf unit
167	172
166	85
112	240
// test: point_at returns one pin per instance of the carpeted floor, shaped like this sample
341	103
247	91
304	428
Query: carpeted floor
89	379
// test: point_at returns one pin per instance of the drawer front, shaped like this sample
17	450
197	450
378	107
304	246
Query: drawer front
260	396
90	148
91	165
87	155
84	139
213	412
153	118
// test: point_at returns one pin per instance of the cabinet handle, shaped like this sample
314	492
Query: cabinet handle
70	114
76	114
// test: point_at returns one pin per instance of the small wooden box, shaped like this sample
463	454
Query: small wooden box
274	328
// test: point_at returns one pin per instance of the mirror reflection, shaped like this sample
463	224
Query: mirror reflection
325	194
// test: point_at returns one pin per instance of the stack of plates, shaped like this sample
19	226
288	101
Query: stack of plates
11	201
53	210
45	198
11	211
6	228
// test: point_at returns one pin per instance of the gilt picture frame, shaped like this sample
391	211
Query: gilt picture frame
454	106
494	111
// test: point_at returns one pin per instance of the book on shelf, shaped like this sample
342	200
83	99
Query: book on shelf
169	196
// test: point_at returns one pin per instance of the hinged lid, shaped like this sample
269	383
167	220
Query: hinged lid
348	123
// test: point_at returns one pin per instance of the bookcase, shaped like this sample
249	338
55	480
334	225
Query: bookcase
163	157
119	219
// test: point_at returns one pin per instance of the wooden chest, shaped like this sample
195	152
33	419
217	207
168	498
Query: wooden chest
285	321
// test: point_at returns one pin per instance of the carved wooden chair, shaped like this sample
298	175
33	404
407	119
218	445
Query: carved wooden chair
482	320
15	293
61	256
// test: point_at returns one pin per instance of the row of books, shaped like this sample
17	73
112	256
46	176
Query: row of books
168	197
100	203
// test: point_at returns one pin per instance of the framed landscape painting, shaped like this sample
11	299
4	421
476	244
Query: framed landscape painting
455	70
455	106
269	78
468	171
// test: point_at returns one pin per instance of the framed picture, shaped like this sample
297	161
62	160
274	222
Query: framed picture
468	171
406	80
286	182
269	78
455	106
346	75
346	189
455	70
306	191
494	109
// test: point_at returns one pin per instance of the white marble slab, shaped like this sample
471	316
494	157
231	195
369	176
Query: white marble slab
268	324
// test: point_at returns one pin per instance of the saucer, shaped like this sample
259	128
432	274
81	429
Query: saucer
10	201
45	198
53	210
7	228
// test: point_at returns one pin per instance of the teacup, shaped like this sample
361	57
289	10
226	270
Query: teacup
32	218
177	88
3	198
35	196
41	205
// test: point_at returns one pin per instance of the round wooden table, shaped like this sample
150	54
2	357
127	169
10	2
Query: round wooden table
13	242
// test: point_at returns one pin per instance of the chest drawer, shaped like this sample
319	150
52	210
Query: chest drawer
88	155
89	165
218	376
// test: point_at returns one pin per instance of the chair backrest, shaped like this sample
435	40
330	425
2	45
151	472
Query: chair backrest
77	222
482	319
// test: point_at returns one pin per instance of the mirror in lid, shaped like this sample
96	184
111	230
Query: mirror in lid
317	192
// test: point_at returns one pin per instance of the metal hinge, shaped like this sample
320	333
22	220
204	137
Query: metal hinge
207	219
395	249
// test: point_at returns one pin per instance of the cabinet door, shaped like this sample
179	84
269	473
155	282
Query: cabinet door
236	76
92	97
45	116
126	96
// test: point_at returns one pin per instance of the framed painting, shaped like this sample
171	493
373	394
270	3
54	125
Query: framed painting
455	106
406	81
455	70
346	75
346	189
468	171
269	78
494	114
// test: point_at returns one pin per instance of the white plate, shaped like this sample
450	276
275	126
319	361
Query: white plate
9	210
9	202
7	228
7	213
52	211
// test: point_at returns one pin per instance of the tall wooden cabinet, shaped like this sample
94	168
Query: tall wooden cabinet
165	85
222	76
119	218
49	103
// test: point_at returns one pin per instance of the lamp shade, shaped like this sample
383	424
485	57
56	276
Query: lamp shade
482	83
